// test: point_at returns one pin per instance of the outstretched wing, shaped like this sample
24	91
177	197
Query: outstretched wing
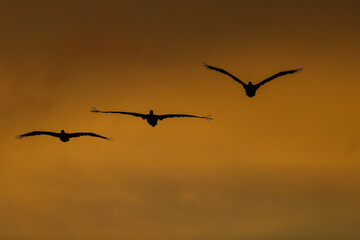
78	134
225	72
161	117
34	133
278	75
143	116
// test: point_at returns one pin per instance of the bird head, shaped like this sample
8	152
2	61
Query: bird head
151	112
62	131
250	84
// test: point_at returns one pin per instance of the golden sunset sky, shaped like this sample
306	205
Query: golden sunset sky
282	165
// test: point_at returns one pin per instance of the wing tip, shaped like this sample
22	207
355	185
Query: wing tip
206	65
94	110
19	136
208	117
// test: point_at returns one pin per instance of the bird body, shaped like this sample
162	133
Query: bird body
63	136
250	89
151	118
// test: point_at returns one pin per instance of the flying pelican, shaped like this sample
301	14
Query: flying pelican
151	118
251	89
63	136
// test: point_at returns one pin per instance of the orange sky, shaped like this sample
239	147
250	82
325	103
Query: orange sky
283	165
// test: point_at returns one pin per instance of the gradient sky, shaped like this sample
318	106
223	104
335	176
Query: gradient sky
283	165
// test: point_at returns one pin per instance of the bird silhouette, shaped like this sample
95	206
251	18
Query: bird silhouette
63	136
250	88
151	118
